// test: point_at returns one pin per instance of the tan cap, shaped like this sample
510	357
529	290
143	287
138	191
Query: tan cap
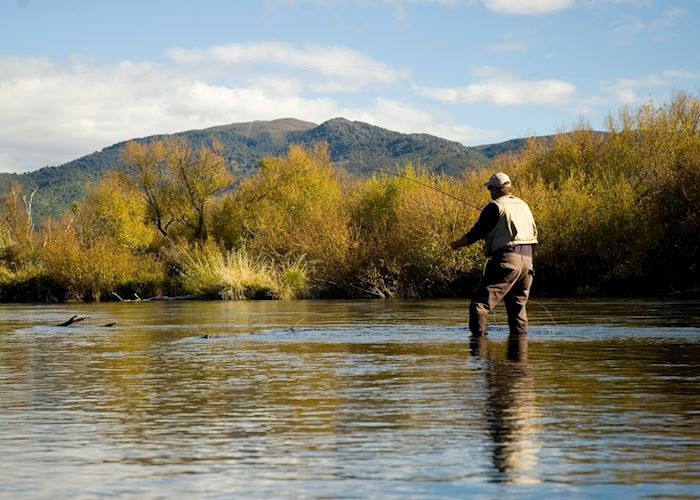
498	180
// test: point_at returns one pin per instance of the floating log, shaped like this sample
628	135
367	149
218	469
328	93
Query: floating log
166	298
108	325
73	319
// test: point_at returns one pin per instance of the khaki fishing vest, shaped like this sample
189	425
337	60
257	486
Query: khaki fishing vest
515	226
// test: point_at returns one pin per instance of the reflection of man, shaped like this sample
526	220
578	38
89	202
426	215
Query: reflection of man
511	412
508	228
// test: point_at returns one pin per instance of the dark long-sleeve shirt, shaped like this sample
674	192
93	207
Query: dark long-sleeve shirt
483	226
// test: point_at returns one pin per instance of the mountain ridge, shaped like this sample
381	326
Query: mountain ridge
358	147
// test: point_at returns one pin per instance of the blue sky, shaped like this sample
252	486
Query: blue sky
77	76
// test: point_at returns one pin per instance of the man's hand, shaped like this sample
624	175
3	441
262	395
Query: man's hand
454	245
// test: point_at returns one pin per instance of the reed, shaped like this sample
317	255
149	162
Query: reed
239	275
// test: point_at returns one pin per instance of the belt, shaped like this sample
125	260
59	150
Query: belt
524	250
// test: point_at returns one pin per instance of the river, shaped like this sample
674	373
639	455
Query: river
349	399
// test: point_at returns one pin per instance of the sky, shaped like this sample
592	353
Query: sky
77	76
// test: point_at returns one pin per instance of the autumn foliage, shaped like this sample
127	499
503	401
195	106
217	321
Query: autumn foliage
618	213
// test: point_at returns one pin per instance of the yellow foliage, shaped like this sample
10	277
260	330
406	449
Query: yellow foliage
401	228
177	183
89	268
239	275
292	206
114	209
16	226
618	209
616	212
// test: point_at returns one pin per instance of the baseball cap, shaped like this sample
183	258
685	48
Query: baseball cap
498	180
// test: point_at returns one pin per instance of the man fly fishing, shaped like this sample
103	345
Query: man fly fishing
509	232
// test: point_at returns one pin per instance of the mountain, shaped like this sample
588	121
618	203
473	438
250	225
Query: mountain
360	148
490	151
357	147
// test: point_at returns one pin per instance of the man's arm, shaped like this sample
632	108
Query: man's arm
483	226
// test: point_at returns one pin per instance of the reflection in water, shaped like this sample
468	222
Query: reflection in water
364	399
511	412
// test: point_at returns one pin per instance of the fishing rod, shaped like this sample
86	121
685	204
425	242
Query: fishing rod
425	185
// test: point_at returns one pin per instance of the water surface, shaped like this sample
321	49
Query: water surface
349	399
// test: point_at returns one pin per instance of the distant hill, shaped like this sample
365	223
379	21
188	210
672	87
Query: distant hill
490	151
360	147
355	146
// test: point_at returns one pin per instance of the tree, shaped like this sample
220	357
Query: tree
114	209
292	205
196	176
17	210
152	178
178	182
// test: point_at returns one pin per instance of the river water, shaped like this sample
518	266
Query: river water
349	399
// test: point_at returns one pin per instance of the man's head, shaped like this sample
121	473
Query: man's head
498	185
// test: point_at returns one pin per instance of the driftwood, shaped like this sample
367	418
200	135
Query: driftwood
109	325
135	299
73	319
178	297
164	298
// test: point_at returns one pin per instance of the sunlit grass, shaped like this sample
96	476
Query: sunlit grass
238	275
243	276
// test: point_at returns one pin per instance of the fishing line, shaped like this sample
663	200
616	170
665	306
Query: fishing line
426	185
551	316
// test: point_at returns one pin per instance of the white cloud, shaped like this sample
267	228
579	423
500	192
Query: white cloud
589	104
52	113
343	69
635	3
636	25
502	89
506	6
528	7
61	114
636	90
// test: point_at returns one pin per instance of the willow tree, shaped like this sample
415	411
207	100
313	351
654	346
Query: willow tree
152	178
291	206
113	208
196	176
177	182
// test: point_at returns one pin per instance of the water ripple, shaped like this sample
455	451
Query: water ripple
361	399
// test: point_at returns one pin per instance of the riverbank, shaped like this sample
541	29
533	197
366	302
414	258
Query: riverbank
614	210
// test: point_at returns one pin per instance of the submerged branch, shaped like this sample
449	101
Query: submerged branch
73	319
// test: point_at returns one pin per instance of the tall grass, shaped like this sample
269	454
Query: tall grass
238	275
246	277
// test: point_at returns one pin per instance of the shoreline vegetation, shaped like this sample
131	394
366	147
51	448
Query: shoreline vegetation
618	214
